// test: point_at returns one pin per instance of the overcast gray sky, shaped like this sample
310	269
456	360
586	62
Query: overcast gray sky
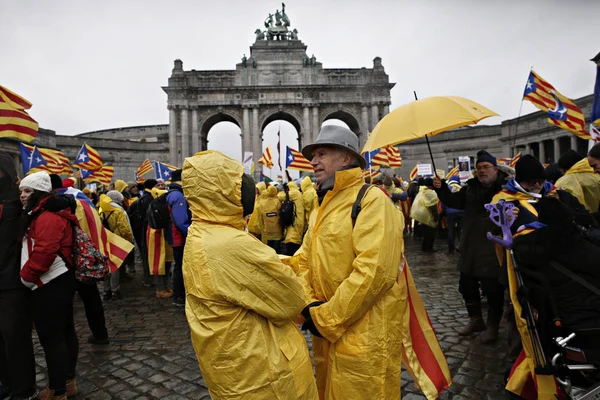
89	65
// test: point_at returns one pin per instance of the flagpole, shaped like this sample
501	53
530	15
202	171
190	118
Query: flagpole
512	148
428	145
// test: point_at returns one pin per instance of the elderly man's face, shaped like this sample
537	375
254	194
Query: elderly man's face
594	163
486	173
327	160
160	185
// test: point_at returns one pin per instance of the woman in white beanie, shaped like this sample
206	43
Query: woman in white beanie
114	218
46	268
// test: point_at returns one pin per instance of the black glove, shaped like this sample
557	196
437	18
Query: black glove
310	325
308	322
306	312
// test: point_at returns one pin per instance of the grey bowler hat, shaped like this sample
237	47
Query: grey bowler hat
337	136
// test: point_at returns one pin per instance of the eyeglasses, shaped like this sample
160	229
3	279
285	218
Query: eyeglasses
484	168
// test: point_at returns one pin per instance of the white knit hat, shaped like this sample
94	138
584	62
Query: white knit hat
115	196
38	181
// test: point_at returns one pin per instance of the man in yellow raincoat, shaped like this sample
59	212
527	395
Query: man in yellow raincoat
292	236
580	180
240	299
309	198
349	271
253	225
269	222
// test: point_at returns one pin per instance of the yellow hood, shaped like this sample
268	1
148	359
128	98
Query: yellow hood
105	203
120	185
581	166
272	191
305	184
261	186
157	192
212	185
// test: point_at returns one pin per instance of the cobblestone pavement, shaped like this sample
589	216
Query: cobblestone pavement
150	354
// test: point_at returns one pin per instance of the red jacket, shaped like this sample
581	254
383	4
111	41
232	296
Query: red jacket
49	235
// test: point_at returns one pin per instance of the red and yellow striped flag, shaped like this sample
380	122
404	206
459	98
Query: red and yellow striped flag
103	175
57	162
452	172
394	158
144	168
413	172
295	160
513	162
15	122
88	158
422	355
109	244
267	158
561	110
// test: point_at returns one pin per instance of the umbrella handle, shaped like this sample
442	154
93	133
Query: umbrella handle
431	155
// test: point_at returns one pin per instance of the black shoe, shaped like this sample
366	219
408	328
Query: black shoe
179	302
94	340
107	295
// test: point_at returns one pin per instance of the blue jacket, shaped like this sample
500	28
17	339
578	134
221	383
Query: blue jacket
180	216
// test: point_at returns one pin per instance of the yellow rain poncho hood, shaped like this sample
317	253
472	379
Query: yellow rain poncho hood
581	181
294	232
253	224
120	185
309	197
240	299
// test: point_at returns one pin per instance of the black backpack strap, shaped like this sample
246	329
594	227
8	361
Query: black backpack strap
575	277
356	207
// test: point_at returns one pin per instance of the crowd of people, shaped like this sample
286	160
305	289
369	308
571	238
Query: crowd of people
327	259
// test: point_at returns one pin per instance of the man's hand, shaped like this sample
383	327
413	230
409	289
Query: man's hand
437	182
553	194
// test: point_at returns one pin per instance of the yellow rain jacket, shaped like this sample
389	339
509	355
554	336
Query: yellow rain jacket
120	185
309	198
354	271
240	299
270	226
116	217
253	223
581	181
295	232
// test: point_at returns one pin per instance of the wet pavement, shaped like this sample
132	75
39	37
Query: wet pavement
150	355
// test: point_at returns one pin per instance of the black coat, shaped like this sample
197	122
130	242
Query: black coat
10	222
477	254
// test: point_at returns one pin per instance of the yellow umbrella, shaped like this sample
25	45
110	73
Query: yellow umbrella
423	118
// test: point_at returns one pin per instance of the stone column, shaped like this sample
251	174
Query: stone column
185	135
573	142
386	110
307	135
256	140
316	127
528	148
556	149
365	121
374	115
195	133
542	152
172	135
246	133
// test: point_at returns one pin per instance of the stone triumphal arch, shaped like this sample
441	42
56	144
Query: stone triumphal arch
278	81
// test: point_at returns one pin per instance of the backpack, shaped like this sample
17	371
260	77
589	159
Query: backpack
159	216
287	213
135	215
104	219
89	263
356	207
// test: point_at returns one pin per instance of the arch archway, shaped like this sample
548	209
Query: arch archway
226	137
207	123
347	117
286	116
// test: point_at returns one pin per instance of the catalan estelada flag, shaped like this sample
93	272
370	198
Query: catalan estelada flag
561	110
267	158
52	161
144	168
295	160
15	122
159	251
394	158
372	173
104	175
88	158
109	244
163	170
422	355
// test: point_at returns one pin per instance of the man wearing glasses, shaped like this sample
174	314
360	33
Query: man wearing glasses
477	262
